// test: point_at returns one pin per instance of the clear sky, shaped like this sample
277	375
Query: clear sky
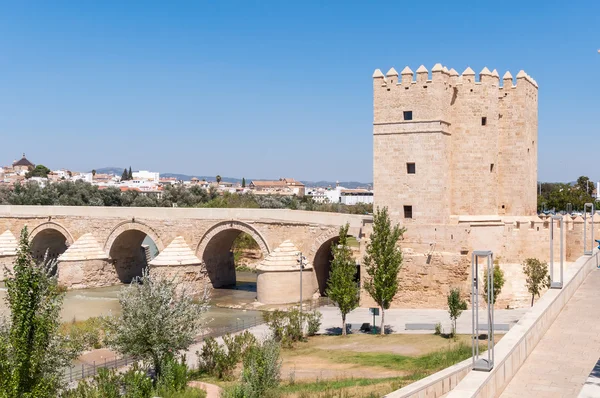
265	89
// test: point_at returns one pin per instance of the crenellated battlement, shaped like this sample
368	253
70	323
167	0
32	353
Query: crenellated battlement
442	74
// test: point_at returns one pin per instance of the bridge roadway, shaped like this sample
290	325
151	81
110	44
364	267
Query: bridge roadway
562	363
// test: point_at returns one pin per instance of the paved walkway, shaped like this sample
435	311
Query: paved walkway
396	319
567	354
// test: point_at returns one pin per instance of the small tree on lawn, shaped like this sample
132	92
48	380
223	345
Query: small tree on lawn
536	277
341	286
456	305
159	319
33	354
498	283
383	261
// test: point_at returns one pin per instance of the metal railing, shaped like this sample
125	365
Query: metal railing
85	370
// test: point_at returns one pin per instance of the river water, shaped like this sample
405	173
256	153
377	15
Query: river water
82	304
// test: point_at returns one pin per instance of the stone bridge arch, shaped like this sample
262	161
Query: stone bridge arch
49	236
124	248
214	249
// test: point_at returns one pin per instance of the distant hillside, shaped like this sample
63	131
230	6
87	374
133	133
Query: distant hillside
110	170
185	177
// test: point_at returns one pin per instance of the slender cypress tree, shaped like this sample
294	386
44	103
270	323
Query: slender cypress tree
130	174
124	176
341	286
33	354
243	182
383	261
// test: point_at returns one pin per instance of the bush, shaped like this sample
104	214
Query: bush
88	333
286	326
313	321
174	376
221	360
438	329
261	372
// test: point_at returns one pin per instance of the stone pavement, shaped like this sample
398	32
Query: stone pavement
396	319
563	359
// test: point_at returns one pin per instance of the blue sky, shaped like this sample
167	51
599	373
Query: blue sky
266	89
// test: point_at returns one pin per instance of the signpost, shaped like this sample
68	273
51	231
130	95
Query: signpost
375	312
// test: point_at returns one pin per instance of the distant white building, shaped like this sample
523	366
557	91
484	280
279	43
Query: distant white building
146	175
87	177
349	196
41	181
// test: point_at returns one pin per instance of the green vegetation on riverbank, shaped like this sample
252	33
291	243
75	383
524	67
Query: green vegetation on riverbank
80	193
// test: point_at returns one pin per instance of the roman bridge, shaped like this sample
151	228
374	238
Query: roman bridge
101	246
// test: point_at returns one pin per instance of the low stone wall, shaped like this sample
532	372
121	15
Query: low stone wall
514	348
437	384
510	353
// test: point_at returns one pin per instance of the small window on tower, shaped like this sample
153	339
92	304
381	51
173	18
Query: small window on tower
411	168
407	115
484	121
492	168
407	211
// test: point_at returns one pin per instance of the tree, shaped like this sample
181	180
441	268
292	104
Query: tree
130	174
536	277
383	261
218	178
585	185
39	171
243	182
456	305
159	319
125	175
341	285
33	353
498	283
94	173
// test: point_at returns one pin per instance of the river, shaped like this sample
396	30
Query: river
82	304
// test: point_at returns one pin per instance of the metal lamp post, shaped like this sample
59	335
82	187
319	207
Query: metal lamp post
301	261
587	252
553	284
482	364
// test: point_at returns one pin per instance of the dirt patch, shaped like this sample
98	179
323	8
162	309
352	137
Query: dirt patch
313	368
361	347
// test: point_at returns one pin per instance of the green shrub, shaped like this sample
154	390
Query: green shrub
286	326
313	321
438	329
220	360
174	376
261	372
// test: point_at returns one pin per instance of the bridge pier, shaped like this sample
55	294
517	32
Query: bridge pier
84	265
278	279
178	261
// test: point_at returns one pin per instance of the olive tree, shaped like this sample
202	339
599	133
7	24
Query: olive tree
159	318
382	261
33	353
342	288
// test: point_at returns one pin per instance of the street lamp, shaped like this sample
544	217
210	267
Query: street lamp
301	263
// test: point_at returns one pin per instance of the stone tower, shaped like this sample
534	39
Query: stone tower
450	145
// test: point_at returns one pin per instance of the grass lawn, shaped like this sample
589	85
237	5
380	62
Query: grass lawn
364	365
